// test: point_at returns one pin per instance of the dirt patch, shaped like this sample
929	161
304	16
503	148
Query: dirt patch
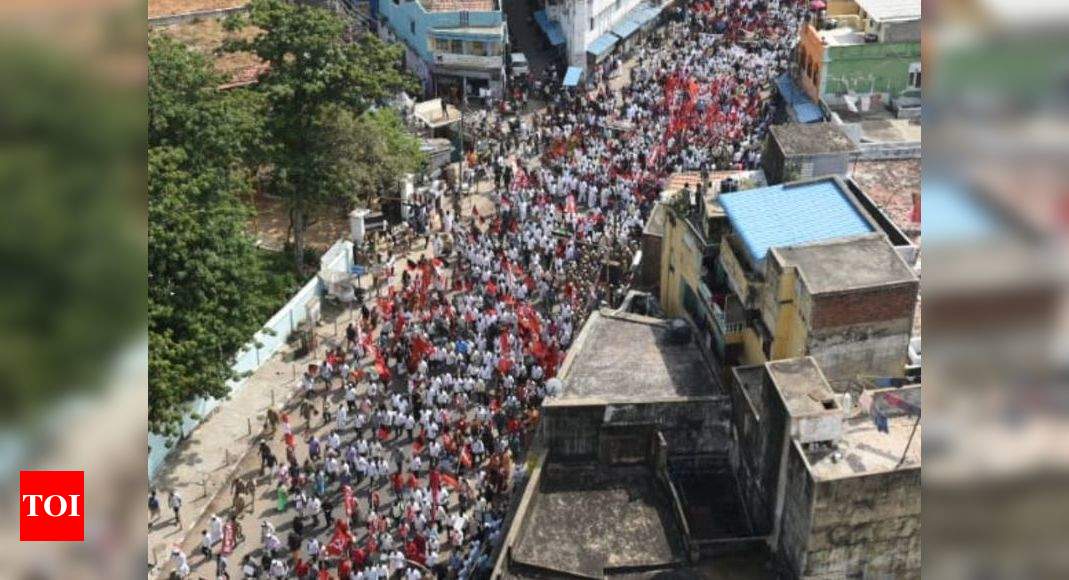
158	8
207	35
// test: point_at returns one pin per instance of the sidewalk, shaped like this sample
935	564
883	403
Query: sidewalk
202	466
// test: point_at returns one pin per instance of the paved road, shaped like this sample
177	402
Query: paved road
221	447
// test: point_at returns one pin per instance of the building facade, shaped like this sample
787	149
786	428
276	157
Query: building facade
807	271
868	48
593	29
456	47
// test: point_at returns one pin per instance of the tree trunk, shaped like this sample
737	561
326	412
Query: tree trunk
298	225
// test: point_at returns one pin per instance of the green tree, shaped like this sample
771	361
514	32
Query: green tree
204	272
370	153
312	72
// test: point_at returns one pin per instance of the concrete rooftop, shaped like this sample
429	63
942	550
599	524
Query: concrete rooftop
584	519
847	263
811	139
802	386
865	449
629	358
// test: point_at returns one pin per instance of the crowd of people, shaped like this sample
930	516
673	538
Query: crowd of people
408	444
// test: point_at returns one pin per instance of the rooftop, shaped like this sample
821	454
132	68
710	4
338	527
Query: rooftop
802	385
841	36
434	115
655	223
631	358
847	264
864	448
891	10
793	213
584	519
811	139
892	185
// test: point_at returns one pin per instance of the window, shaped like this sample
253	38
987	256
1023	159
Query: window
591	24
412	26
915	75
478	48
465	18
616	6
456	46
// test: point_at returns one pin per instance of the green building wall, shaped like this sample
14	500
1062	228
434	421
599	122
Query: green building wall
879	67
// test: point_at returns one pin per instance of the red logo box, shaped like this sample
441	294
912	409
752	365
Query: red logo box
51	506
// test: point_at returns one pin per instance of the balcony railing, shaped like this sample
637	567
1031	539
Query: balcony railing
726	328
468	60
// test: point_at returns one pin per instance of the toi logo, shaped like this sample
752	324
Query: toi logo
51	506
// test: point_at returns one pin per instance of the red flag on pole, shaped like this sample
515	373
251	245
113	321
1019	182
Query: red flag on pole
340	541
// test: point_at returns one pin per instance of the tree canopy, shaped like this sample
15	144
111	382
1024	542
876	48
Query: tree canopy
315	83
203	267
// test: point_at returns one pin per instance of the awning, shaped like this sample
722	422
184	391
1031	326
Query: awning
572	76
602	44
552	29
635	19
626	27
644	13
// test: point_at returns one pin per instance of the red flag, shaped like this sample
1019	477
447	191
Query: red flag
504	337
229	538
465	457
339	542
504	365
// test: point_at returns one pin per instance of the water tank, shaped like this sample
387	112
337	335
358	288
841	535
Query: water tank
356	225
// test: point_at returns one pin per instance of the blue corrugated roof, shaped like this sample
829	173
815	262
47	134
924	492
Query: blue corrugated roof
953	215
602	44
572	75
552	29
785	215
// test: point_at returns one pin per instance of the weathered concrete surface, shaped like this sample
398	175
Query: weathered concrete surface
587	518
629	359
852	526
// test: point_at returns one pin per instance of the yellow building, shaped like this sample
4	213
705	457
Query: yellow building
811	274
691	231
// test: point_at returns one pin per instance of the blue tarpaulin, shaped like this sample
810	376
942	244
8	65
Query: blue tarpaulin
551	28
805	110
603	44
572	75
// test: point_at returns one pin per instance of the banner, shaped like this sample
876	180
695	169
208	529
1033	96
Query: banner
229	538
